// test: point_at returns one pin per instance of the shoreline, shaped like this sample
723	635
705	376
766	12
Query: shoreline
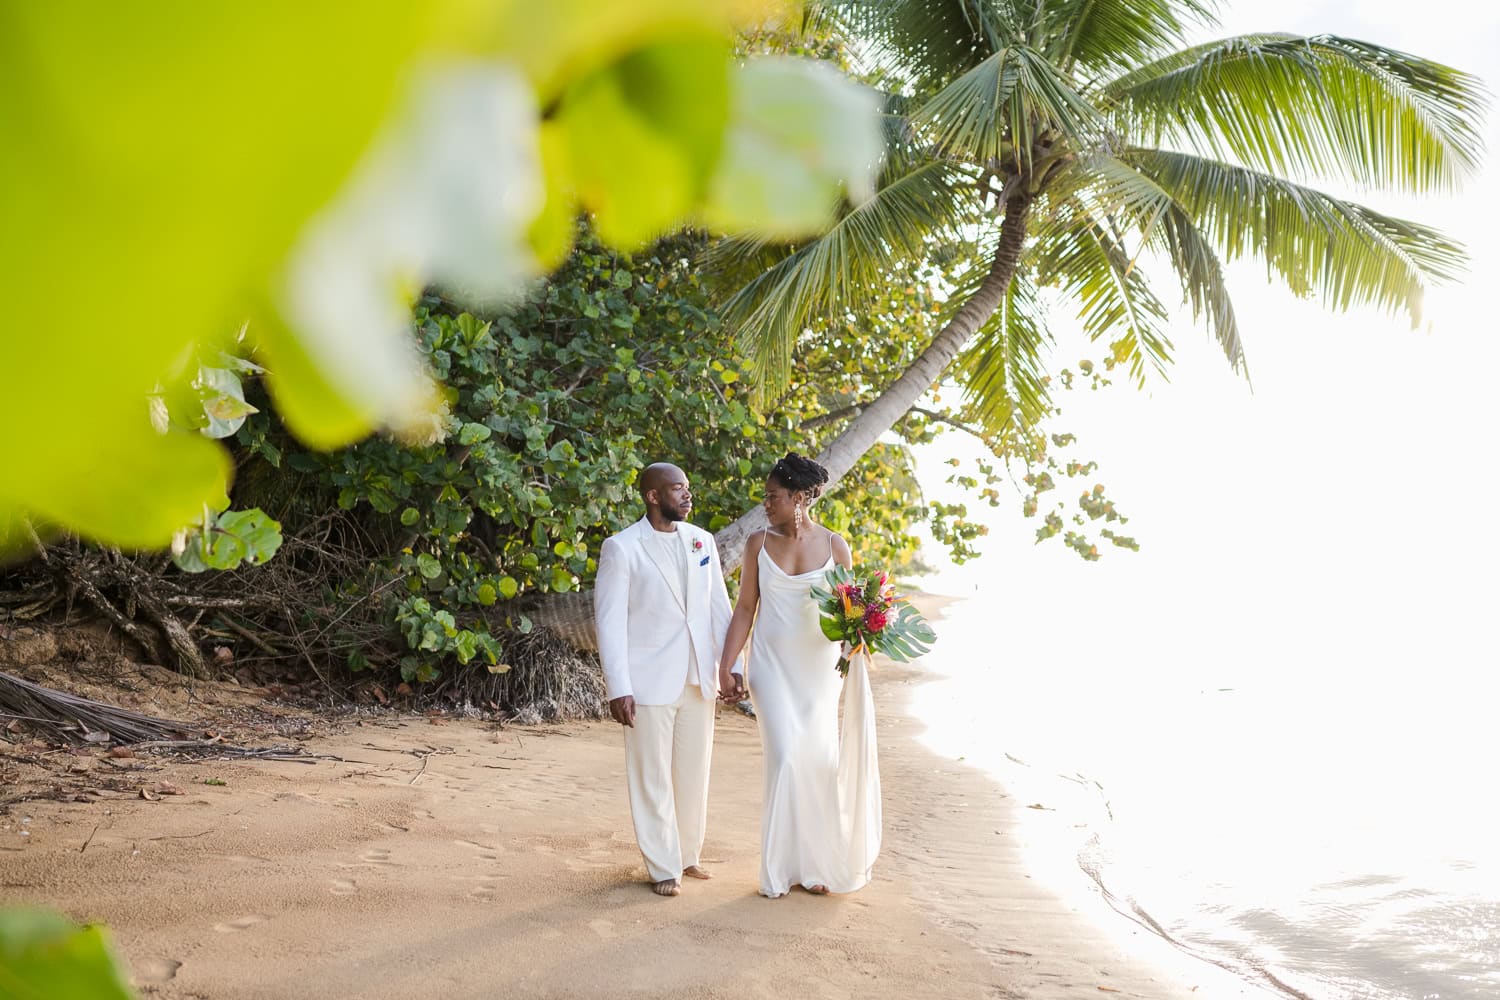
1054	920
450	857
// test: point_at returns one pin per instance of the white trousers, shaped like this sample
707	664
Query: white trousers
667	756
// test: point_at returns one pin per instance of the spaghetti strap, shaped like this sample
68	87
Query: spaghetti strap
830	546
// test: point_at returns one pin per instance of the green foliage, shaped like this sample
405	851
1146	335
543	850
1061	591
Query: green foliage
207	395
109	210
43	956
1122	173
779	102
845	362
450	143
1047	461
227	539
551	406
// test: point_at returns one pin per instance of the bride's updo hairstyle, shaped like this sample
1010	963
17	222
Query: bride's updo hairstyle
799	475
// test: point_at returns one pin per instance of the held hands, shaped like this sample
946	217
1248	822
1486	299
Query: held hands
731	687
622	710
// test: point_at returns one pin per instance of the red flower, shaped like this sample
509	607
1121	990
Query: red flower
876	619
697	544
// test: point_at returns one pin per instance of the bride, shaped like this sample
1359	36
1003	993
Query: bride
820	816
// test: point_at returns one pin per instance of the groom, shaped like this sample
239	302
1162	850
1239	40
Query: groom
662	611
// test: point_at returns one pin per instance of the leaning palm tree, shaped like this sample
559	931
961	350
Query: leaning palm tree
1047	153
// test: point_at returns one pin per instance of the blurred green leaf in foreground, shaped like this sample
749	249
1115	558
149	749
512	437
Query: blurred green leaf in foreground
45	957
167	173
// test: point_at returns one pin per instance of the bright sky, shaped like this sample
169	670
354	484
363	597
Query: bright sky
1337	516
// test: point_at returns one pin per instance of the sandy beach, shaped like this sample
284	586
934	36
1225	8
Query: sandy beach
454	858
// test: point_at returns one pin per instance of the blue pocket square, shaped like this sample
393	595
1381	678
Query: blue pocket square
703	561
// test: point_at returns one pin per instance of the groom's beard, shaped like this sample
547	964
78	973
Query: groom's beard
673	514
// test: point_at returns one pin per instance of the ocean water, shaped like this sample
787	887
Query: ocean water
1322	830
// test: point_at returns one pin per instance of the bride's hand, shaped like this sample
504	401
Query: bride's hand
731	687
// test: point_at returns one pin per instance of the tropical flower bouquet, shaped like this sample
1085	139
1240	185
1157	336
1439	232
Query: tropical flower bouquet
862	611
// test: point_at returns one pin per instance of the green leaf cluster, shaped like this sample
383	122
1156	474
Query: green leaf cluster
226	540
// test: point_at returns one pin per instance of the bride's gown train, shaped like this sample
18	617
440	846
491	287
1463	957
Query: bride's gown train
820	819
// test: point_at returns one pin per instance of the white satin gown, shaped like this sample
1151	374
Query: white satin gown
820	818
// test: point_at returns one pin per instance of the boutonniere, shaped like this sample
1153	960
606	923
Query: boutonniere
697	544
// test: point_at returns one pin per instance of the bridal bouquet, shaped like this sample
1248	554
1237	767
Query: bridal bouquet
862	611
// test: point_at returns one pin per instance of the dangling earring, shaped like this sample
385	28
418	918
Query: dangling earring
798	513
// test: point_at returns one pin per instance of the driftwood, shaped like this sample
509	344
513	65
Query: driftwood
82	720
206	749
85	721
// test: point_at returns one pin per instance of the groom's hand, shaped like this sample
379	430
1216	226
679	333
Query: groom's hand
731	688
622	710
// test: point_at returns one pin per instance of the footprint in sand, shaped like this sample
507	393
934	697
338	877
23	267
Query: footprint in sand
483	887
486	852
342	887
239	923
156	970
377	856
422	814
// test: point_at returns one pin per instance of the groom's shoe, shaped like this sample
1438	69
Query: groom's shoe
666	887
694	871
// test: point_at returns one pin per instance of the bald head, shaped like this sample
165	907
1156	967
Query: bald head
664	488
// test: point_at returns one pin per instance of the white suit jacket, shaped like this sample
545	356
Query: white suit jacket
647	624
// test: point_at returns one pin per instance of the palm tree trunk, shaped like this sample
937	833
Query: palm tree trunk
881	415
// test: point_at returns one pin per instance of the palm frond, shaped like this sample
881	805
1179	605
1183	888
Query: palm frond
839	271
1203	285
1305	107
1109	36
1116	189
1003	369
928	42
1317	244
999	109
1083	254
